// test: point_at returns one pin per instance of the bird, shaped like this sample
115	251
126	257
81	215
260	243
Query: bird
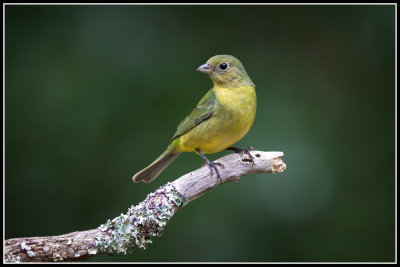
221	118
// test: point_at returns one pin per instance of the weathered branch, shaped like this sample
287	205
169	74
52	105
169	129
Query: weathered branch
142	221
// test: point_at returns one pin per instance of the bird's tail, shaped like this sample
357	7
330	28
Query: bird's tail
150	173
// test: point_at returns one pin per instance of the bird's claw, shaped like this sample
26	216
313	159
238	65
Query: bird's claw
213	165
245	151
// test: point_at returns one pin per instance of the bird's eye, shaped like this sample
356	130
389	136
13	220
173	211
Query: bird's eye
223	66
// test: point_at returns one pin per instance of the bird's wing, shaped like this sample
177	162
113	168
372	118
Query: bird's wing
203	111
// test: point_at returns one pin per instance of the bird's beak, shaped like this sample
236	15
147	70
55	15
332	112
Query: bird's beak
205	68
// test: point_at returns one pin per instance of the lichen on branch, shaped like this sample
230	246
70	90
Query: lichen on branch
143	221
140	223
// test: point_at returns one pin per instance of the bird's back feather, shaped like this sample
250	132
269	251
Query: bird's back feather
203	111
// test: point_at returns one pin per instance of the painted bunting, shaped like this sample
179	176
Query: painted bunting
221	118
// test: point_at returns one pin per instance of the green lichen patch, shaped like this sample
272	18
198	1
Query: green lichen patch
13	258
140	223
28	250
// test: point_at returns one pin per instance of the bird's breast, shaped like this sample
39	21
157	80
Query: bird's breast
237	108
233	117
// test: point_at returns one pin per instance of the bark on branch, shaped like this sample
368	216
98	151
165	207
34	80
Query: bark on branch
143	221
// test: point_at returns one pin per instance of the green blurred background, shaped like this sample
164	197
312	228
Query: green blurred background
94	93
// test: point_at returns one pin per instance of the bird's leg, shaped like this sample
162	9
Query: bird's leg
211	165
243	151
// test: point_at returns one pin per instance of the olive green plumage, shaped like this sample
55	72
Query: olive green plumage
221	118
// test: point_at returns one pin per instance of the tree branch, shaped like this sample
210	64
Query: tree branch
143	221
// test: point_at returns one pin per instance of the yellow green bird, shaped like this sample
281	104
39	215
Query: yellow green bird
221	118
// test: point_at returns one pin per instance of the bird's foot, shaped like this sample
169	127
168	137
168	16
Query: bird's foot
213	166
242	151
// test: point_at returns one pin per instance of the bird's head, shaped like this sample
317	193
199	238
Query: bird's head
226	71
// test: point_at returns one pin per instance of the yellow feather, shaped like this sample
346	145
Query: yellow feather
233	118
230	119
